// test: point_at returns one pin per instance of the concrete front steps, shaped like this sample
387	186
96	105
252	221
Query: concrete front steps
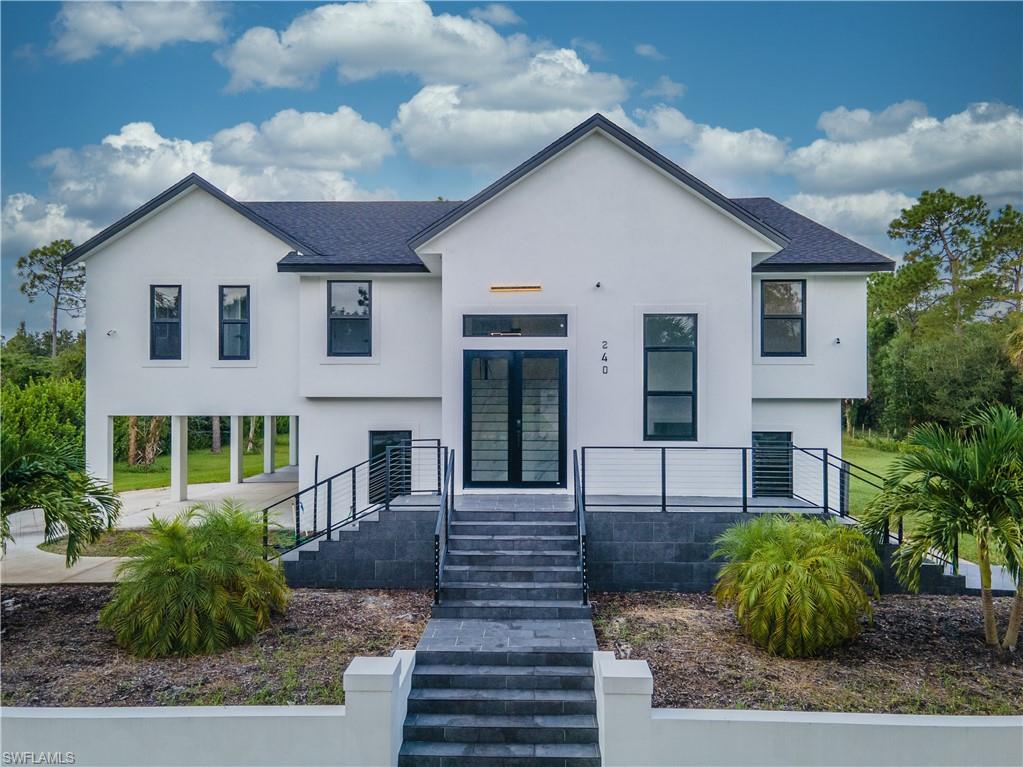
504	671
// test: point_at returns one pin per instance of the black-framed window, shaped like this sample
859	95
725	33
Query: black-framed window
349	318
525	325
669	377
165	322
234	322
783	318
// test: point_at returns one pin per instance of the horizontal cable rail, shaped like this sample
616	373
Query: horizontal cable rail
442	529
329	504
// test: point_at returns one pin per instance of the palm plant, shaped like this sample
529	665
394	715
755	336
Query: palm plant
37	475
952	484
197	584
798	584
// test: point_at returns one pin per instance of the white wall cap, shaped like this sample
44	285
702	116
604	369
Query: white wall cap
624	677
372	674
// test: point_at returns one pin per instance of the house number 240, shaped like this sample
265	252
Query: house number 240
603	357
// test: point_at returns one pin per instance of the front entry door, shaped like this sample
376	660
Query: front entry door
514	419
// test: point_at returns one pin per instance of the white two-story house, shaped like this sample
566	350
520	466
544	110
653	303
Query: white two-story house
596	295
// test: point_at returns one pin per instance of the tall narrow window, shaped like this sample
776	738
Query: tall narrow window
234	322
349	319
165	322
669	376
783	318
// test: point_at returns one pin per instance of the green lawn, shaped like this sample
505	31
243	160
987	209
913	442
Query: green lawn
860	492
203	466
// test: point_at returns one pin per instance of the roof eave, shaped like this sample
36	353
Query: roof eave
305	266
868	266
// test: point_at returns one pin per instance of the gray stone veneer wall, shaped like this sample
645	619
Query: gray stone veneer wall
392	552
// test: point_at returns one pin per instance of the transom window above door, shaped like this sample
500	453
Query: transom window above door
669	376
783	318
525	325
349	319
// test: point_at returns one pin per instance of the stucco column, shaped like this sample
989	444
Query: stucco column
179	457
293	441
623	689
269	442
237	443
99	446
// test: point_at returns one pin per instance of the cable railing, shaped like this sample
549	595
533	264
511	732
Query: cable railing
442	529
580	516
316	512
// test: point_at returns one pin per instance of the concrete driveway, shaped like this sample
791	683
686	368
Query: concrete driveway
25	563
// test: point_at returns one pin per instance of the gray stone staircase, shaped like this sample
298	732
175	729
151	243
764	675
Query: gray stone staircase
503	673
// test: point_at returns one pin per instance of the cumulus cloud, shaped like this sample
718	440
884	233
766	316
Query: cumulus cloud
844	124
315	140
984	140
591	48
496	14
665	88
649	51
29	222
81	30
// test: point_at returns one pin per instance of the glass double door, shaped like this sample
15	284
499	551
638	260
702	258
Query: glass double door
514	419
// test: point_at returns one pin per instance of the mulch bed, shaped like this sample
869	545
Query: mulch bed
56	654
922	654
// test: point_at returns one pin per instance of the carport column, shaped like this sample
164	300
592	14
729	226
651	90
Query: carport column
237	439
269	443
99	446
293	441
179	457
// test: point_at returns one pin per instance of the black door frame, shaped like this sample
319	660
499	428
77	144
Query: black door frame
514	358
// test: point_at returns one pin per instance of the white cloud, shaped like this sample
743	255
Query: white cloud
985	138
28	223
665	88
339	141
82	29
843	124
496	14
865	215
649	51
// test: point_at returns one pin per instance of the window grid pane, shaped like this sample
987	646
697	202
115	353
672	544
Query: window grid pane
234	322
783	318
349	319
165	322
669	376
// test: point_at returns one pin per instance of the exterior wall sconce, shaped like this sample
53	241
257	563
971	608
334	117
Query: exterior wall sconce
516	288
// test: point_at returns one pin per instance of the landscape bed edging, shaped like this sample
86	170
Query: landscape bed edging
365	732
634	734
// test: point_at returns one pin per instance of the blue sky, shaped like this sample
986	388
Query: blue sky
843	111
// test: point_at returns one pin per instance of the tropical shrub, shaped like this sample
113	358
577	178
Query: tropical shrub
798	585
954	483
38	474
48	410
197	584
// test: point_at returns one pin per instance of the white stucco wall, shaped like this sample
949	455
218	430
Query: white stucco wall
597	213
835	365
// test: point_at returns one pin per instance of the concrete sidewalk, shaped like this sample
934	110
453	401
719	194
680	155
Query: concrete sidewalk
25	563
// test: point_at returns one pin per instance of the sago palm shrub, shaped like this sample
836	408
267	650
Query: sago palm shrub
798	585
197	584
954	483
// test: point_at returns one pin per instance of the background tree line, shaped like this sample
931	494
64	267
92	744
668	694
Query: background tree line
945	330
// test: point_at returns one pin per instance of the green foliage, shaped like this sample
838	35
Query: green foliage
799	585
27	356
43	272
47	410
956	483
36	474
196	584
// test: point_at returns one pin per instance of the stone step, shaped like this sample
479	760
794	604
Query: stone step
436	754
507	556
502	677
551	655
502	728
511	609
549	543
481	590
515	528
468	701
458	574
514	516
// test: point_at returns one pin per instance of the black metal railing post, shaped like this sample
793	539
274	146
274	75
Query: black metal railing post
355	493
330	509
387	479
436	569
824	474
664	479
266	533
298	517
745	481
955	557
316	481
582	483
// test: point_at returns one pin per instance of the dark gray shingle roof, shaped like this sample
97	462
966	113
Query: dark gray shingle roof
811	245
352	236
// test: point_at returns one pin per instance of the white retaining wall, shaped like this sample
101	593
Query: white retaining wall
632	734
366	732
